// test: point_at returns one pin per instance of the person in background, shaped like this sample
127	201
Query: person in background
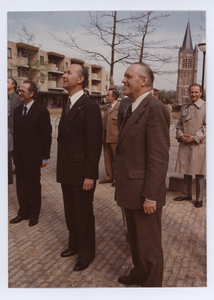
14	101
191	134
32	143
10	149
110	134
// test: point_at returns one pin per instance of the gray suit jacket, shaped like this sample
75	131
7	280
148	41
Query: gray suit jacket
15	101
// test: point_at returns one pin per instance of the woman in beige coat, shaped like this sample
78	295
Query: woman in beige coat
191	133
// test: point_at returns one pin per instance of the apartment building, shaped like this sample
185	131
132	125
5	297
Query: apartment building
48	76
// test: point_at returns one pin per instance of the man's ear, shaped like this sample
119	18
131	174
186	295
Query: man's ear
144	81
80	79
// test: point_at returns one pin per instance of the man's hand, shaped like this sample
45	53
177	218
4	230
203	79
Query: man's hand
187	138
88	184
43	164
149	207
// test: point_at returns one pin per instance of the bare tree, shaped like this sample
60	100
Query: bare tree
143	48
30	65
109	29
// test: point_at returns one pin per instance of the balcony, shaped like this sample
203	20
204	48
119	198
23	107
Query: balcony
94	89
53	85
53	68
95	77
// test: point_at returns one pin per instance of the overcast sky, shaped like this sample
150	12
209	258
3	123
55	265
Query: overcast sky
171	29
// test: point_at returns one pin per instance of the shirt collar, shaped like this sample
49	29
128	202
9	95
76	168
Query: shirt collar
10	96
113	105
75	97
29	105
139	100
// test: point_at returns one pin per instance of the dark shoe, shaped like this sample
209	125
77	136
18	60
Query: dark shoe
67	253
113	184
199	204
33	221
180	198
18	219
127	280
104	181
80	265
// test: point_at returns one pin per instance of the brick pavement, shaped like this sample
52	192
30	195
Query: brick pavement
34	259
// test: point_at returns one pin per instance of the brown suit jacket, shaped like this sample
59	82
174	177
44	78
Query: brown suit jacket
112	130
141	155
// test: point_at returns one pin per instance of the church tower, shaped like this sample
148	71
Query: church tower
187	67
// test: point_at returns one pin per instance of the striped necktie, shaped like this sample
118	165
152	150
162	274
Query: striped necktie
68	106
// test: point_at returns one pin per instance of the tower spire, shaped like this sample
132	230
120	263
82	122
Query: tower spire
187	42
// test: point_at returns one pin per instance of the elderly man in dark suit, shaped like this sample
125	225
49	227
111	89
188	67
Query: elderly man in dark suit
79	150
141	162
32	142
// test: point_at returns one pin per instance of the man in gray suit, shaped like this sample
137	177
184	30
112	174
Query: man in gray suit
141	162
13	102
14	99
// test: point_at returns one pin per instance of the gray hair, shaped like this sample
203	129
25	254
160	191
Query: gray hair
146	72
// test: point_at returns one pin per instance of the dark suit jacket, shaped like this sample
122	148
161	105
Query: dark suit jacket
122	110
79	142
15	101
32	135
141	155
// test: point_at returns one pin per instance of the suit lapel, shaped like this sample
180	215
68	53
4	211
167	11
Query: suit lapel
133	118
30	113
76	108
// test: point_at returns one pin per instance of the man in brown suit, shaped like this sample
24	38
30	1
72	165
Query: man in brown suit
110	134
191	134
141	162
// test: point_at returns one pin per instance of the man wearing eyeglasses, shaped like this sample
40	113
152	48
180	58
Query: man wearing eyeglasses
32	142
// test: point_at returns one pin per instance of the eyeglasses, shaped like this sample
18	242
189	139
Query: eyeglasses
22	92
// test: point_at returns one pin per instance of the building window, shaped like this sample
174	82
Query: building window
66	65
9	72
9	53
106	77
184	62
21	52
42	78
41	59
190	63
22	72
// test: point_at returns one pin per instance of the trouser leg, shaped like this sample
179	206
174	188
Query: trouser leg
187	186
28	190
10	171
145	242
199	187
108	160
80	221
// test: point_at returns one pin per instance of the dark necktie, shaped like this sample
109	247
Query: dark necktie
128	113
68	106
25	111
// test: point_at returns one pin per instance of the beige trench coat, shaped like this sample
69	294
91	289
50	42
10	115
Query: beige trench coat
191	158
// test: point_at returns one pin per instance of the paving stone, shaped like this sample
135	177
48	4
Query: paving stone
34	253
